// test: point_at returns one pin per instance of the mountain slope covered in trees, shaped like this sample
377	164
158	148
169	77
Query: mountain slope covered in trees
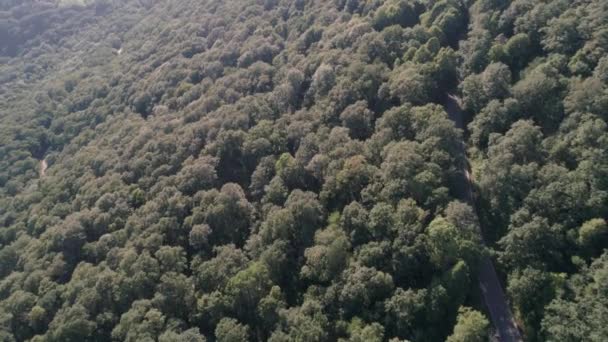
273	170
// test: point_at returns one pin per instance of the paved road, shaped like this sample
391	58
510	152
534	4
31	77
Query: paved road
493	295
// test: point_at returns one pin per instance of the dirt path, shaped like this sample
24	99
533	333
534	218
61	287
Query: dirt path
490	286
43	166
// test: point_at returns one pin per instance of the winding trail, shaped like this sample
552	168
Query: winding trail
490	286
43	166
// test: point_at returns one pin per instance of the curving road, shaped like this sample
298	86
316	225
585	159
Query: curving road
493	295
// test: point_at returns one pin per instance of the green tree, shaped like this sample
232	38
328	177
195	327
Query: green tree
592	234
190	335
71	324
471	325
531	290
358	119
406	309
246	288
230	330
303	323
394	12
359	332
364	287
328	257
578	314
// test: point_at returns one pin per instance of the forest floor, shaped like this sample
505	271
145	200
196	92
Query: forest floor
493	294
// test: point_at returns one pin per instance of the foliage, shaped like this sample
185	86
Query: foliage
286	171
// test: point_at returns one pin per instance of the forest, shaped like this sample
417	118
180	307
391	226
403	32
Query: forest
288	170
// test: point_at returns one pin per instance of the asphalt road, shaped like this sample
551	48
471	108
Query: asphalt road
490	286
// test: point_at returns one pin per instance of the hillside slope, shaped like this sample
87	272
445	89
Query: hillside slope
285	170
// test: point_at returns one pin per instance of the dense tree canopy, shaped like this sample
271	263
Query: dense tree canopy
274	170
